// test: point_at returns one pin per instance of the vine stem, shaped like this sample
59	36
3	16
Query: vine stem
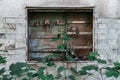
92	76
65	74
101	74
87	77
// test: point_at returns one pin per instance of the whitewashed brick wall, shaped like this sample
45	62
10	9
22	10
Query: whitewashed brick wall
13	28
107	42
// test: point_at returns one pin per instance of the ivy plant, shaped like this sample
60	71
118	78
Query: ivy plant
23	71
63	46
107	70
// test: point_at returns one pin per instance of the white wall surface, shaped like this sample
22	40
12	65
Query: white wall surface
106	29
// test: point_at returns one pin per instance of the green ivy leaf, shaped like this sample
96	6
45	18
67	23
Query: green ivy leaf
24	79
6	77
117	64
55	39
2	71
2	60
35	75
3	50
30	75
43	77
93	56
72	77
60	47
101	61
64	34
50	63
58	76
18	68
60	69
50	77
67	39
83	72
69	58
113	68
74	70
41	70
90	67
112	73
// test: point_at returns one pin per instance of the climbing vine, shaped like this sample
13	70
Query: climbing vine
24	71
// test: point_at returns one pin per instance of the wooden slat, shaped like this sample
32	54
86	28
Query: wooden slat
38	26
40	37
77	22
59	9
82	33
47	52
82	47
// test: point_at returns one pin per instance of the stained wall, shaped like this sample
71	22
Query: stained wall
13	26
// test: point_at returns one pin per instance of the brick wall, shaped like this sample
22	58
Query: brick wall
13	27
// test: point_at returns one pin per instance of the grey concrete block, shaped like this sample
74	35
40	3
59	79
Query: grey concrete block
20	37
20	45
2	30
21	28
107	20
102	36
21	20
112	34
10	47
13	58
102	44
113	44
112	26
21	51
10	20
10	26
11	36
60	3
102	26
10	30
11	52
